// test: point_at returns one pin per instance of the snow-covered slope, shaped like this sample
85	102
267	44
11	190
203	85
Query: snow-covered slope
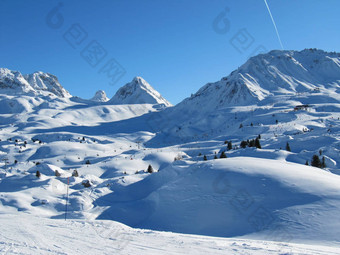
38	83
138	91
26	234
100	96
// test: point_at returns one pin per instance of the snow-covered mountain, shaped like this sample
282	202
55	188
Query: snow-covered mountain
38	83
274	73
100	96
138	91
278	81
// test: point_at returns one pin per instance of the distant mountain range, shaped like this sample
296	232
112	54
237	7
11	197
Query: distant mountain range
138	91
262	76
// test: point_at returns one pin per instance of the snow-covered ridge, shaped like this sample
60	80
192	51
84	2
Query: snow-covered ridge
37	83
138	91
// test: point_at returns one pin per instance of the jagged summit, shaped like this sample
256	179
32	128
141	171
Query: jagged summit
100	96
41	81
138	91
13	83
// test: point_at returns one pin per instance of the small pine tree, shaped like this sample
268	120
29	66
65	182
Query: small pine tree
223	155
316	161
259	136
307	164
205	158
37	174
323	163
241	125
320	152
88	162
86	184
251	124
150	169
215	157
257	143
230	145
199	154
287	147
75	173
57	173
15	161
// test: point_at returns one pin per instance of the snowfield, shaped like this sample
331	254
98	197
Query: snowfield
27	234
255	201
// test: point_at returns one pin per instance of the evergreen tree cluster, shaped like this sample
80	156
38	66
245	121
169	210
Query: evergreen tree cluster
223	155
316	162
251	143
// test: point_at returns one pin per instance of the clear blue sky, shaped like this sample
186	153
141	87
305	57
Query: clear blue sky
171	44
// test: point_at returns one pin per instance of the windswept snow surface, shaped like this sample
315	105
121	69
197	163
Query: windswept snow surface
255	201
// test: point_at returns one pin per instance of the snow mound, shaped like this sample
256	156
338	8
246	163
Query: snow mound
226	197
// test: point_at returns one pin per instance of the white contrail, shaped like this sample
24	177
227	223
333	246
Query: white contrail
271	16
